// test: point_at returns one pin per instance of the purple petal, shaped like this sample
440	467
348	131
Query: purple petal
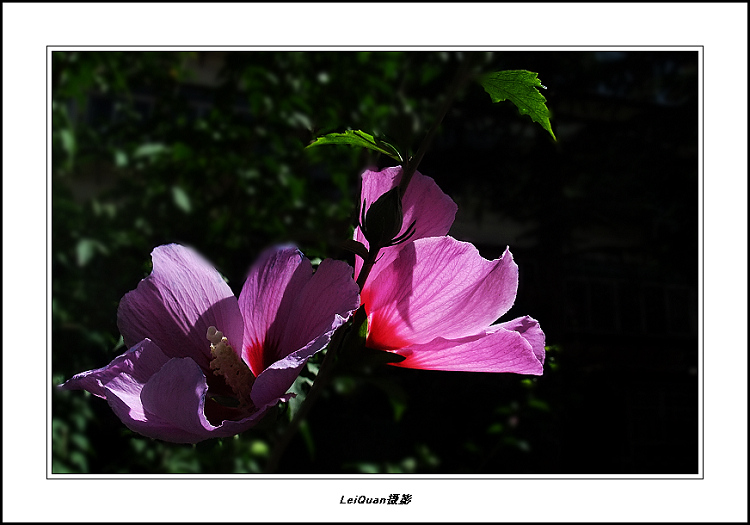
437	287
275	380
329	294
174	401
530	330
175	305
287	307
140	362
266	300
290	314
499	351
424	202
158	396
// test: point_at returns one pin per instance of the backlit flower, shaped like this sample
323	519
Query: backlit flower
434	300
203	364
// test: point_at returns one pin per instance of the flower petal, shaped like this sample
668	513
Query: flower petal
286	306
329	294
140	362
266	300
175	398
158	396
277	378
437	287
499	351
175	305
423	201
530	330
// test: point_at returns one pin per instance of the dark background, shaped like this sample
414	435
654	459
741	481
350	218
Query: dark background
206	149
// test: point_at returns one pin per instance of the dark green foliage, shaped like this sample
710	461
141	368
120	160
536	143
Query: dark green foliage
208	149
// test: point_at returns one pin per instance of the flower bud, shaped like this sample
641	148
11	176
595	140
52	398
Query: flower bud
384	219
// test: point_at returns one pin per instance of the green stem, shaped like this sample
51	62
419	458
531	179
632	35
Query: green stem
323	378
340	337
372	257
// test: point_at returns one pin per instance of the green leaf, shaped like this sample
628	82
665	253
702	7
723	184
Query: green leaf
495	428
300	388
86	249
149	150
68	141
368	468
181	199
539	404
520	87
259	448
359	139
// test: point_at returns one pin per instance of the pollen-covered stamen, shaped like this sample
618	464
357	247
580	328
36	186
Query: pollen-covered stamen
228	364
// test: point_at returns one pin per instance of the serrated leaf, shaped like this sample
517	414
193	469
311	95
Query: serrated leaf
360	139
520	87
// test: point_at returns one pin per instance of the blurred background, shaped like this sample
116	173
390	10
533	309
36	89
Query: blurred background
207	149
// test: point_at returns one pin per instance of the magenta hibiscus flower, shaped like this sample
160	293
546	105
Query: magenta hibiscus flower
202	364
433	299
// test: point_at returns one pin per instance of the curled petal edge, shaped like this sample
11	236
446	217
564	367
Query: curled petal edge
495	350
530	330
142	386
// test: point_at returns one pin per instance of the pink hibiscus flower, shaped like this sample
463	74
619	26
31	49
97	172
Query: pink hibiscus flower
433	299
202	364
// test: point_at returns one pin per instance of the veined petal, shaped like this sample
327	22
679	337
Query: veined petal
158	396
286	306
329	294
266	301
140	362
530	330
423	201
499	351
271	385
437	287
175	305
